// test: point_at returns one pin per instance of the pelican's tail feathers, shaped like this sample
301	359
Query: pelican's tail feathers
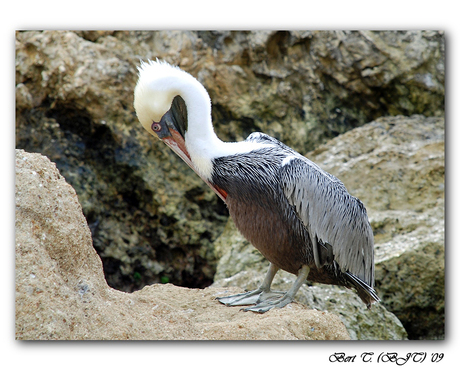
366	292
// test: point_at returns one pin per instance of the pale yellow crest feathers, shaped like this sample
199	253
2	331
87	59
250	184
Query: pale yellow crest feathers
155	90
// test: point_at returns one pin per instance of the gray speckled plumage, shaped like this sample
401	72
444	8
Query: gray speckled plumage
297	214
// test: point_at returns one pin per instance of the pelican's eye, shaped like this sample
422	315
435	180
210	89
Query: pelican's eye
156	127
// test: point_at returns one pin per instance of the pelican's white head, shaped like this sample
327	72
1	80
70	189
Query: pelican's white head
158	84
174	106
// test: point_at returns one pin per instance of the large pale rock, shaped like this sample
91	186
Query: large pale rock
61	293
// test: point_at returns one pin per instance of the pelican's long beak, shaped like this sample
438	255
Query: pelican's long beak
173	126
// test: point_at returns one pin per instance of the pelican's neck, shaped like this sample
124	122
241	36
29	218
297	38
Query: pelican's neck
198	110
200	138
202	143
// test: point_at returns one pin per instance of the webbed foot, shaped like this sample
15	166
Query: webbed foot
250	298
263	298
265	305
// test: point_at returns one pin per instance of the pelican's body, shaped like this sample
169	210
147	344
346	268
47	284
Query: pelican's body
301	218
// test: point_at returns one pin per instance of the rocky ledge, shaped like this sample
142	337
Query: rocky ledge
61	292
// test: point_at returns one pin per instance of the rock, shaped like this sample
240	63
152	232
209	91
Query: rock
61	293
395	165
152	219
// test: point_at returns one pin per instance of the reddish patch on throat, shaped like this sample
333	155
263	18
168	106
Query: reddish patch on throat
177	144
221	191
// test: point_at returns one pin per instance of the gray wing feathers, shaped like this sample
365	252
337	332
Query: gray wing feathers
334	219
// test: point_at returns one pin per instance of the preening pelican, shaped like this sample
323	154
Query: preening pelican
301	218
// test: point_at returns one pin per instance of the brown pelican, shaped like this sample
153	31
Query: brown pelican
299	217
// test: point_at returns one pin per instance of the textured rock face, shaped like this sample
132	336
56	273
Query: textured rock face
152	220
61	293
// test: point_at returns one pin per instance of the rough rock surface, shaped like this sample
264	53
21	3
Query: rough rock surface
395	165
61	293
152	220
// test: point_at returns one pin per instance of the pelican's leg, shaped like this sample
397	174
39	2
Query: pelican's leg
252	297
266	305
